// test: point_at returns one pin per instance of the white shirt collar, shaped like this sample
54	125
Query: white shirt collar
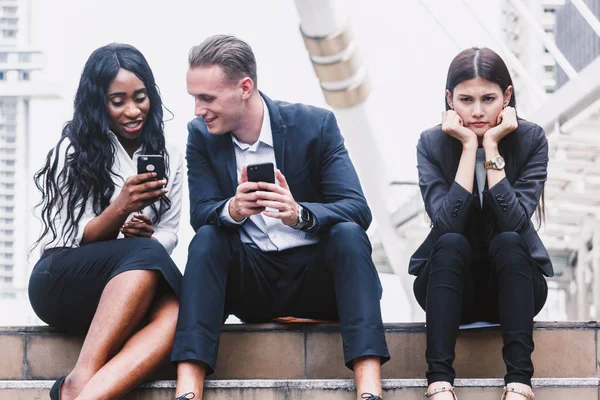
265	136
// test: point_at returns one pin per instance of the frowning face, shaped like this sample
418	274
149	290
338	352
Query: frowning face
478	102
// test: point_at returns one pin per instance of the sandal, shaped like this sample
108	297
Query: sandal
440	390
523	393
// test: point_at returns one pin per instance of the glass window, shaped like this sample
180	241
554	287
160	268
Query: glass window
9	33
24	75
24	57
3	57
2	75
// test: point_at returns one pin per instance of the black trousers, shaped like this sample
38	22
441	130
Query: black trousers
503	286
335	279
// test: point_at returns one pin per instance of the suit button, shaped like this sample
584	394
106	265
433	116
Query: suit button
459	202
498	197
454	214
504	208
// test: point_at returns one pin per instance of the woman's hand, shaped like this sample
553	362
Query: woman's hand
452	124
139	226
507	123
138	192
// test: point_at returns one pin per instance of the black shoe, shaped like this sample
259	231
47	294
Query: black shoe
369	396
55	391
185	396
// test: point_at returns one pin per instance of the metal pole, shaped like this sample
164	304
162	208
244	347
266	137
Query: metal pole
550	45
582	293
587	14
509	57
324	25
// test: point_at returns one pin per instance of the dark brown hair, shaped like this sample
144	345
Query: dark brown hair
479	62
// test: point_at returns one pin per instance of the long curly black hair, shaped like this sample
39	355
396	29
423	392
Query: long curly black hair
90	154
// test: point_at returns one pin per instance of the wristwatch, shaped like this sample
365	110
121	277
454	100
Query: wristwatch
304	218
495	163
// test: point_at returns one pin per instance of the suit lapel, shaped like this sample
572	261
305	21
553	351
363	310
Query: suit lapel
226	156
278	130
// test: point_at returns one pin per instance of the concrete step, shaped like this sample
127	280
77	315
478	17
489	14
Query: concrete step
310	351
405	389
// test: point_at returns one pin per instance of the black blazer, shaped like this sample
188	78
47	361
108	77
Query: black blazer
309	151
507	207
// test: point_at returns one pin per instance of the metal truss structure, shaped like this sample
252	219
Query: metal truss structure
570	116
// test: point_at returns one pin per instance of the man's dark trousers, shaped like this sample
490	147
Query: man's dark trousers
334	279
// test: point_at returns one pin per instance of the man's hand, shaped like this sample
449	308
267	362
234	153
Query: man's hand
452	125
507	123
139	226
244	203
280	198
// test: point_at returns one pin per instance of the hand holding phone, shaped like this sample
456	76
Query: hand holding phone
151	163
261	173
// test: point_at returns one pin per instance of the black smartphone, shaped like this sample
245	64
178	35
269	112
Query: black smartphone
261	173
151	163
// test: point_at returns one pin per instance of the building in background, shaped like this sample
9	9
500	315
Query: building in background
575	38
521	38
18	65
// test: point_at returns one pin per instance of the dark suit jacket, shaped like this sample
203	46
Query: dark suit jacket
309	151
507	206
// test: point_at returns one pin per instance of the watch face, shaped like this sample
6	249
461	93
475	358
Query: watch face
499	161
304	215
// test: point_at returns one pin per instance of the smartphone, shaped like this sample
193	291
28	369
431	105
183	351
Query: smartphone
151	163
261	173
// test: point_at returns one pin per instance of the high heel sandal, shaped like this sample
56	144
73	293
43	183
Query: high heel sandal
185	396
523	393
440	390
55	391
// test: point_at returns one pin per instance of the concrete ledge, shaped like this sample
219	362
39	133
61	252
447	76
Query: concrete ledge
468	389
314	351
328	384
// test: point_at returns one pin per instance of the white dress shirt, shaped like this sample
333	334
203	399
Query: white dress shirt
124	167
267	233
480	173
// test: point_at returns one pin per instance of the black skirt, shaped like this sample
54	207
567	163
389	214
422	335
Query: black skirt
66	283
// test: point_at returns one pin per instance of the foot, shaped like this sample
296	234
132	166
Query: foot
517	391
186	396
440	391
72	386
370	396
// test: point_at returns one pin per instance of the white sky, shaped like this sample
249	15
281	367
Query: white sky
406	52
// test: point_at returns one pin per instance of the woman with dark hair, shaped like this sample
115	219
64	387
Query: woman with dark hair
481	174
105	269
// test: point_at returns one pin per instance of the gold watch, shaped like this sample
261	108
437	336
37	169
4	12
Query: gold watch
495	163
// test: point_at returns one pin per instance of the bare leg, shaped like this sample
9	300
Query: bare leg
190	378
367	374
140	356
124	302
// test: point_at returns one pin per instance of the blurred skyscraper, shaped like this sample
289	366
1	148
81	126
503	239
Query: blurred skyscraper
576	38
523	40
18	63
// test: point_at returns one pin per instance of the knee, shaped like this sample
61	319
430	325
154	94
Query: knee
208	239
506	242
167	310
453	243
347	234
